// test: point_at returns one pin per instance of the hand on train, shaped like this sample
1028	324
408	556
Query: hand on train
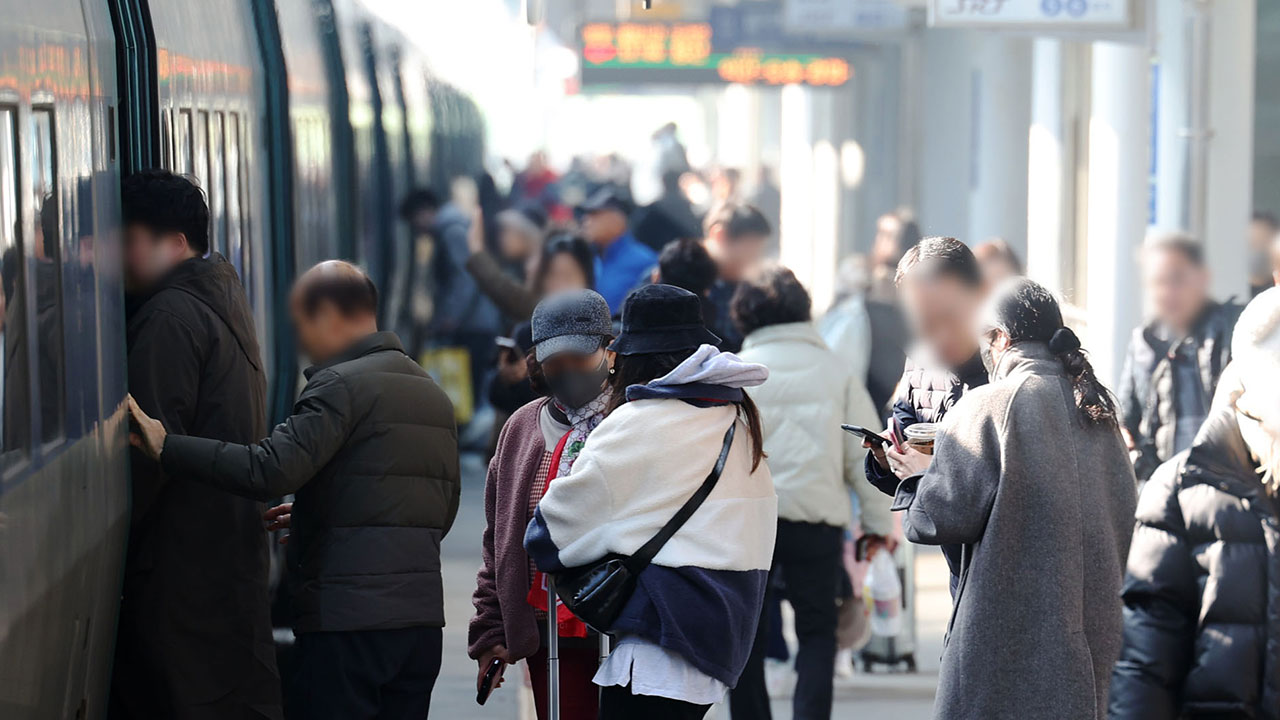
908	463
497	651
148	433
279	518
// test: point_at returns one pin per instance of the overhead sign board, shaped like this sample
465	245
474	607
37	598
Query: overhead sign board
1050	15
822	17
685	53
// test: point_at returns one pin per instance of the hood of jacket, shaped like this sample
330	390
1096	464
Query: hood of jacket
214	283
707	374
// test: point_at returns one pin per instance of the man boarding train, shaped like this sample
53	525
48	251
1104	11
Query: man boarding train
366	525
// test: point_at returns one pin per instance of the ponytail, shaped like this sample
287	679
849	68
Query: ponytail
1026	311
1092	398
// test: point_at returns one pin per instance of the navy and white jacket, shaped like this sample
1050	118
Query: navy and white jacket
701	597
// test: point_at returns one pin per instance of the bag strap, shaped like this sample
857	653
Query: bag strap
642	557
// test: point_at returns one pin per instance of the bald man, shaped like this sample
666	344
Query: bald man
371	454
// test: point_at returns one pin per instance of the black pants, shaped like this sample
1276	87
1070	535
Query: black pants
617	703
808	557
364	674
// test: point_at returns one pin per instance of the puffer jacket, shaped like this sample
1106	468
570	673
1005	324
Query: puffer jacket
1147	393
809	393
372	454
1202	590
925	394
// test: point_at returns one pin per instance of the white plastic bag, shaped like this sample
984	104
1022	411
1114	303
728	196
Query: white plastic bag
882	592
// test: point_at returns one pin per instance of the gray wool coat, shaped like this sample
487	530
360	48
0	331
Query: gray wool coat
1044	503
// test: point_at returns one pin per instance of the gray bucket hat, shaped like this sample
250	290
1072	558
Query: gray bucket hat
570	321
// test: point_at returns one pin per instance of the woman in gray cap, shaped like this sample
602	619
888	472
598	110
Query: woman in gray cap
539	443
678	411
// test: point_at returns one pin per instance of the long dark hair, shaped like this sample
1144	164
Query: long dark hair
576	248
1026	311
639	369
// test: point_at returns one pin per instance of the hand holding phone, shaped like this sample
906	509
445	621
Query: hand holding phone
491	679
866	435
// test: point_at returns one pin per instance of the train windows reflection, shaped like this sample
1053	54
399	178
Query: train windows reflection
15	419
182	144
47	247
216	187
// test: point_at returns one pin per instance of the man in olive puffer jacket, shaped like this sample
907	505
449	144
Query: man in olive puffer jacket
1202	590
371	453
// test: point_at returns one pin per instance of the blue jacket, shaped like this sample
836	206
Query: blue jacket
621	268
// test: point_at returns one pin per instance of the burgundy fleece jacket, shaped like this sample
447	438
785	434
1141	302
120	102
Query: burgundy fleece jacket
503	614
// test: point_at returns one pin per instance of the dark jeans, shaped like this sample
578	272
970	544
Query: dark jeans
365	674
617	703
808	557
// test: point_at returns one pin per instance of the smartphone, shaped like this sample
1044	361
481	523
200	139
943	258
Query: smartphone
865	434
486	684
897	434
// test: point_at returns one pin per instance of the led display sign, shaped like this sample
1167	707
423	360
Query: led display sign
683	52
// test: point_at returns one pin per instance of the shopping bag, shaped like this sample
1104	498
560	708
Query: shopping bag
882	592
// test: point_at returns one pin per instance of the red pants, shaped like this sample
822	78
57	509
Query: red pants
579	697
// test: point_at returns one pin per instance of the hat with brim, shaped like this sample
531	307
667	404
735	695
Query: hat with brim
572	321
662	319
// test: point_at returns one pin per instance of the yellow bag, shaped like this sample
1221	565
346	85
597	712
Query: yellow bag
451	367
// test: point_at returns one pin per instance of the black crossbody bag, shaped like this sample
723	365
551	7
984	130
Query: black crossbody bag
596	593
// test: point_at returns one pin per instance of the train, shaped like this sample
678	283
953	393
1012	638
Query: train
304	121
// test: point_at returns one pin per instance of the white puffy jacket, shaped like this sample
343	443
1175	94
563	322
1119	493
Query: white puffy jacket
809	393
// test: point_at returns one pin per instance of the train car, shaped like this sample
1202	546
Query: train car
304	121
63	482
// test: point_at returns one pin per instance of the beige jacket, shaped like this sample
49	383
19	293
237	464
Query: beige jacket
809	393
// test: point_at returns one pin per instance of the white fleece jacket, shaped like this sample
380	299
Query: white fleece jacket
639	466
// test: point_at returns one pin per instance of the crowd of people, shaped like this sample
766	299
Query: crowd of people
668	436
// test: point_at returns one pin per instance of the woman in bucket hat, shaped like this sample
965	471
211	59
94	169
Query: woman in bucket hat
684	636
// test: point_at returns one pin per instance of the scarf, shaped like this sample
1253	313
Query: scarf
581	422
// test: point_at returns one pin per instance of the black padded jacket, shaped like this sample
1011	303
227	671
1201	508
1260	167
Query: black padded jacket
1202	589
371	452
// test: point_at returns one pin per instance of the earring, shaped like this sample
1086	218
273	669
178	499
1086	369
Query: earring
612	370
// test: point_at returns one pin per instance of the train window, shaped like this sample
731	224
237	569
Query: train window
217	183
15	415
47	247
235	240
182	149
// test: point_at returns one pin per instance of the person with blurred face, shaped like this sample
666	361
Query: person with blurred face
895	233
623	262
567	263
999	262
371	455
1263	231
538	446
1201	632
736	238
505	277
1174	360
194	632
942	292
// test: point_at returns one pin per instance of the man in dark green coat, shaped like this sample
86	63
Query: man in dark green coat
371	454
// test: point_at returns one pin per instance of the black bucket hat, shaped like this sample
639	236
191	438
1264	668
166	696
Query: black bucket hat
660	319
